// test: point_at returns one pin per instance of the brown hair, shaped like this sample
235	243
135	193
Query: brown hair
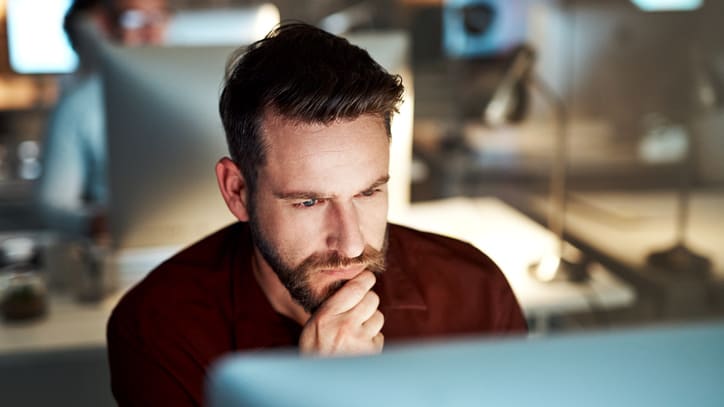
303	73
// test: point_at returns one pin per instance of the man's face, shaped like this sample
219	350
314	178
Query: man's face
319	212
140	22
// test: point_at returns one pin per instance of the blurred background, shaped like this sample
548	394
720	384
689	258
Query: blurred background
580	143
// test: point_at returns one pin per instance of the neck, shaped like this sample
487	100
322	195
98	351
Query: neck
277	294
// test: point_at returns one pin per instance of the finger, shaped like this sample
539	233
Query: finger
366	307
379	341
372	326
351	293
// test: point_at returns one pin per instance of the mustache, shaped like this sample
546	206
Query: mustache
371	258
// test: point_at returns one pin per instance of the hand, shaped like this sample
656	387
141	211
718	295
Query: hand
348	323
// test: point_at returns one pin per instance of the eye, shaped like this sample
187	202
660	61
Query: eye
308	203
369	192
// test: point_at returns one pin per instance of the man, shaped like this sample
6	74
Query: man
313	263
72	192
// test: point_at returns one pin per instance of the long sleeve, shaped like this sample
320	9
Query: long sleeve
137	377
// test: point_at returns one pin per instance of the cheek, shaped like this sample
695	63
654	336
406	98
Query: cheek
373	219
295	236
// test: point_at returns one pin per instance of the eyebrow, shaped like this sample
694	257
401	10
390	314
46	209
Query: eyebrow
293	195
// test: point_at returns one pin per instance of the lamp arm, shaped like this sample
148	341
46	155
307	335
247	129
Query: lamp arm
557	203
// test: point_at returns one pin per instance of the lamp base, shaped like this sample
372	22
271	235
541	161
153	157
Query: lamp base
554	268
680	259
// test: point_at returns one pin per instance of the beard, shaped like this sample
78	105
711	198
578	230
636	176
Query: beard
298	279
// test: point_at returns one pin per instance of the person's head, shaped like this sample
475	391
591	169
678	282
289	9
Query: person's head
128	22
307	120
137	22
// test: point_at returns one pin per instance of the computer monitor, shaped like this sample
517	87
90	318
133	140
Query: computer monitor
165	135
37	43
674	366
164	138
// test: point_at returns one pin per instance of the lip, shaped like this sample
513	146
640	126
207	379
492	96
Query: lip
346	273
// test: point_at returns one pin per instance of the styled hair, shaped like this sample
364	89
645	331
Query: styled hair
301	73
74	13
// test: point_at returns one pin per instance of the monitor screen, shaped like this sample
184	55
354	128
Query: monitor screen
673	366
37	43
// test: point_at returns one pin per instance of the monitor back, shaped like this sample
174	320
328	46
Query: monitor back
164	138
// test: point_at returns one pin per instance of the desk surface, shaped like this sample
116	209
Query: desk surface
509	238
621	228
630	225
71	324
514	242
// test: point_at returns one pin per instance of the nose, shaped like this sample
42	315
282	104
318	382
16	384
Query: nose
345	235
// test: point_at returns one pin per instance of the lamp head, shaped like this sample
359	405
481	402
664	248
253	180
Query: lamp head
510	99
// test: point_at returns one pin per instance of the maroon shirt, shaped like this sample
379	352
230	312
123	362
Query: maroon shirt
205	302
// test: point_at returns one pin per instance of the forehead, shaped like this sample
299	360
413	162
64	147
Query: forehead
302	154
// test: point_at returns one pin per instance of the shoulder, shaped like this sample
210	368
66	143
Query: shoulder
425	247
190	284
463	290
79	112
170	327
84	94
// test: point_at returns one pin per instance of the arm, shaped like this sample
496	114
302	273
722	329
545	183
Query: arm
67	159
509	315
137	380
152	369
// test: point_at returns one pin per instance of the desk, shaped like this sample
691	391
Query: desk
71	324
514	242
508	237
622	227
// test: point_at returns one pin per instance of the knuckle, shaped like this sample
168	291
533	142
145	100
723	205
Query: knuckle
379	341
366	279
374	298
371	278
322	321
358	289
345	329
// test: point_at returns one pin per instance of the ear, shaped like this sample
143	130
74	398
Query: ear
233	188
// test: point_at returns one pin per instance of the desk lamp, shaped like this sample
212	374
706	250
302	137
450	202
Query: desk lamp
678	258
502	108
480	28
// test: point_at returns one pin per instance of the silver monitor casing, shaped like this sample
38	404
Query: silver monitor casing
164	138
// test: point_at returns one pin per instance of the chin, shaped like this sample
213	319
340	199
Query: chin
328	288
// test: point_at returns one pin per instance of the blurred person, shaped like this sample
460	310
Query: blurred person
312	263
72	192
